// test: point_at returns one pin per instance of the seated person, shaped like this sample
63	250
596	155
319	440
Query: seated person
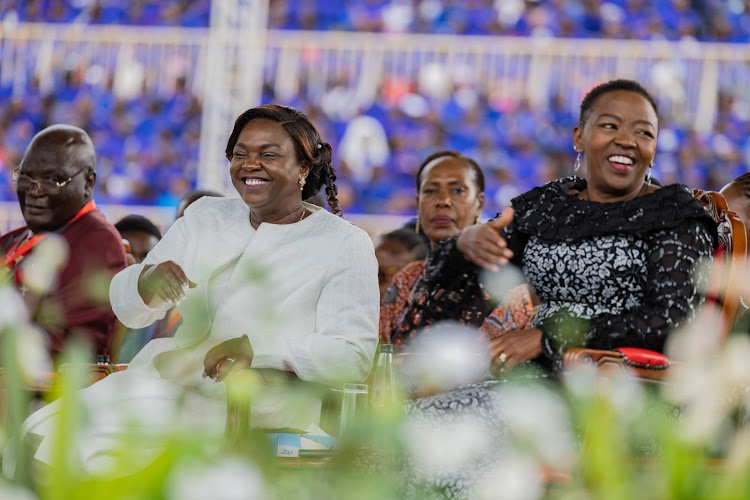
263	281
450	196
614	259
55	186
142	235
397	249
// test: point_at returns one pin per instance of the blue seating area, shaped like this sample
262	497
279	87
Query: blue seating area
148	145
711	20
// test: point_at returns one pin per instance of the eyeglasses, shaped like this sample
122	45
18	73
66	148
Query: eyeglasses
23	181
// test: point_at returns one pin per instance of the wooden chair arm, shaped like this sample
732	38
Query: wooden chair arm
613	364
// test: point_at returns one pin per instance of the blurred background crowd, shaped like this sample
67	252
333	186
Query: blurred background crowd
147	133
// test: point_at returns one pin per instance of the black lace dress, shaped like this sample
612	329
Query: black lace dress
606	274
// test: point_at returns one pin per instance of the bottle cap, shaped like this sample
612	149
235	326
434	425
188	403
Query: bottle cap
387	348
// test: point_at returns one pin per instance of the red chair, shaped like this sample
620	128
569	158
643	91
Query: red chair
726	281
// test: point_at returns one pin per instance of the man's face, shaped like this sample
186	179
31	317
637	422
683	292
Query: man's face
47	207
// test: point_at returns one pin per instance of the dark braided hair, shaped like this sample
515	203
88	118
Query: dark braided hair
310	148
587	105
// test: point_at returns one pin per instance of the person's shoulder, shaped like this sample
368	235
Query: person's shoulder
93	224
215	210
555	189
11	234
336	226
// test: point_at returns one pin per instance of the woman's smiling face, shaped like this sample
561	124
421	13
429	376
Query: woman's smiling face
264	167
619	143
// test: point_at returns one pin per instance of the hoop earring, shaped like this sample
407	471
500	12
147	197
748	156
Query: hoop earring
302	182
648	178
416	226
577	164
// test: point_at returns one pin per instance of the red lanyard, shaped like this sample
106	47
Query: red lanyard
17	252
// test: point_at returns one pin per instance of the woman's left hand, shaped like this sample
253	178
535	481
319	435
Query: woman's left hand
515	347
227	356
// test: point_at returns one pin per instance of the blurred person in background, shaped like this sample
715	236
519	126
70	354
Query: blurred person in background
450	197
397	249
737	194
142	236
55	184
264	280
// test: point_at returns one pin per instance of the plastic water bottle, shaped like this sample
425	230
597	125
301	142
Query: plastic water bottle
383	391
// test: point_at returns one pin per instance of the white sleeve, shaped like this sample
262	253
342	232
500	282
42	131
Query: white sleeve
347	314
123	292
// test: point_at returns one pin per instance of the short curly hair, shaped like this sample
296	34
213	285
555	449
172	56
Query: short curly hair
310	148
587	105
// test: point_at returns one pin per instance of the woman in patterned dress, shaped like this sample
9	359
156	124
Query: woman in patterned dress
613	259
450	195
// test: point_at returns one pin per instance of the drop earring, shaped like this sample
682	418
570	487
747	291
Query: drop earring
577	164
302	182
648	178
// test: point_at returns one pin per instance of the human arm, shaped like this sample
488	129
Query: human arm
125	290
670	298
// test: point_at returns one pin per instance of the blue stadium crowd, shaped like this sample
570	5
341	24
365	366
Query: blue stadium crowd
148	145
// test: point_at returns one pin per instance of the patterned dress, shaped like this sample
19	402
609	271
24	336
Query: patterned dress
606	274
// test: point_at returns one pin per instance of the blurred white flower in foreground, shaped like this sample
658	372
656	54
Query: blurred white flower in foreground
13	312
448	355
710	377
40	269
515	476
499	283
230	479
439	448
32	352
538	422
13	492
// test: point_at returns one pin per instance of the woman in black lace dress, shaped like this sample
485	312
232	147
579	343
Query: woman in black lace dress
614	259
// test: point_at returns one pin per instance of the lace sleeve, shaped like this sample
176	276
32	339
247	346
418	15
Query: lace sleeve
675	278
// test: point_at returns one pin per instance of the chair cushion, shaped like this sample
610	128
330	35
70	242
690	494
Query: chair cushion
644	358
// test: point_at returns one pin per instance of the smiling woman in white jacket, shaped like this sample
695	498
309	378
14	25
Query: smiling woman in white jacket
265	281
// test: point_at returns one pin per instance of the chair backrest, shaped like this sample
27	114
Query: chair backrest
733	240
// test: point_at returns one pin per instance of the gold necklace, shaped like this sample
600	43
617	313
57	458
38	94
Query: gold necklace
303	214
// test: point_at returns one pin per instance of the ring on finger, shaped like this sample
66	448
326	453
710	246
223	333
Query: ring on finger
502	357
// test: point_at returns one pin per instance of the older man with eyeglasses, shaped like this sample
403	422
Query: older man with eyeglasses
66	255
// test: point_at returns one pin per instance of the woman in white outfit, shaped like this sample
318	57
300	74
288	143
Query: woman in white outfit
266	281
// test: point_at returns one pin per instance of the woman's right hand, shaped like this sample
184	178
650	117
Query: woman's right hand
483	245
166	281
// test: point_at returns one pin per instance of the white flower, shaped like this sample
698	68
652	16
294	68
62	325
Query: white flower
442	447
538	421
14	492
450	355
32	352
13	313
229	479
516	476
40	269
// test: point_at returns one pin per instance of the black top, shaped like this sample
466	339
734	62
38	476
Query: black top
607	274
